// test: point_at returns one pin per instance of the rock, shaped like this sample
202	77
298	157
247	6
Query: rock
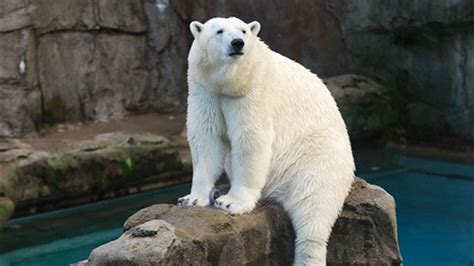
18	58
6	210
168	42
110	164
423	51
365	105
20	98
14	15
85	76
20	111
308	32
365	234
126	15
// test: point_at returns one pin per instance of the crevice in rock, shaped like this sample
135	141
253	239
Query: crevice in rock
435	27
16	29
101	30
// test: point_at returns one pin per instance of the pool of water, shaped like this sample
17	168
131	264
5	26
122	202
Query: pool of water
66	236
435	210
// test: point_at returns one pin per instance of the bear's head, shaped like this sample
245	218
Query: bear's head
223	40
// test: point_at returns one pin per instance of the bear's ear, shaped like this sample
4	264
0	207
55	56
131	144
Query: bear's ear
196	28
254	27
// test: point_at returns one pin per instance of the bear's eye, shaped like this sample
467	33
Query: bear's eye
220	31
243	31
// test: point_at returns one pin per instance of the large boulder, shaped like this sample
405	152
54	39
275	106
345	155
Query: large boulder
364	234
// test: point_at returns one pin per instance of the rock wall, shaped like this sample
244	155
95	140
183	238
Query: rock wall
87	60
76	60
425	51
422	50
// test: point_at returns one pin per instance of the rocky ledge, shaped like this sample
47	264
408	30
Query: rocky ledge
364	234
110	165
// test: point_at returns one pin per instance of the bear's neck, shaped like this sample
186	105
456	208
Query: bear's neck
237	78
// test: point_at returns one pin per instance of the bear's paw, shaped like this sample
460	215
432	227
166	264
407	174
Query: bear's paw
194	200
234	205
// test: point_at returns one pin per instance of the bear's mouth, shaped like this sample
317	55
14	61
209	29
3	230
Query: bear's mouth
234	54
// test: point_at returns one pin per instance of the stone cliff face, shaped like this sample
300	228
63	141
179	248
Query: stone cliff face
87	60
92	60
422	50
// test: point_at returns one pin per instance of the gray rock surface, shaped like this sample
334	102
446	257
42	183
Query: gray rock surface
88	60
425	51
14	15
20	97
365	234
422	51
168	42
124	15
107	78
364	104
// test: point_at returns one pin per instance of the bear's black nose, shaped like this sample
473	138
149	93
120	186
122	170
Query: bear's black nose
237	44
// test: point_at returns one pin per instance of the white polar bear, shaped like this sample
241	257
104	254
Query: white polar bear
274	128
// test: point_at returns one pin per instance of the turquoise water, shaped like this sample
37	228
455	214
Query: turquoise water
66	236
435	210
434	207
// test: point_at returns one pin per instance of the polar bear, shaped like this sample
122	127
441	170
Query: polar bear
272	126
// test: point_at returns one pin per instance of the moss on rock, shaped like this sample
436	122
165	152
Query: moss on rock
110	162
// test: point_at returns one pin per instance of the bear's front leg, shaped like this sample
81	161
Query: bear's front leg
251	135
205	127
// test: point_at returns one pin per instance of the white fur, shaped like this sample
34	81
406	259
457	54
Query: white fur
275	129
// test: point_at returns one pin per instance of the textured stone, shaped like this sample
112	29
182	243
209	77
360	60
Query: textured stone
126	15
365	234
20	110
14	15
109	162
17	50
422	50
365	105
85	76
168	41
20	97
305	31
